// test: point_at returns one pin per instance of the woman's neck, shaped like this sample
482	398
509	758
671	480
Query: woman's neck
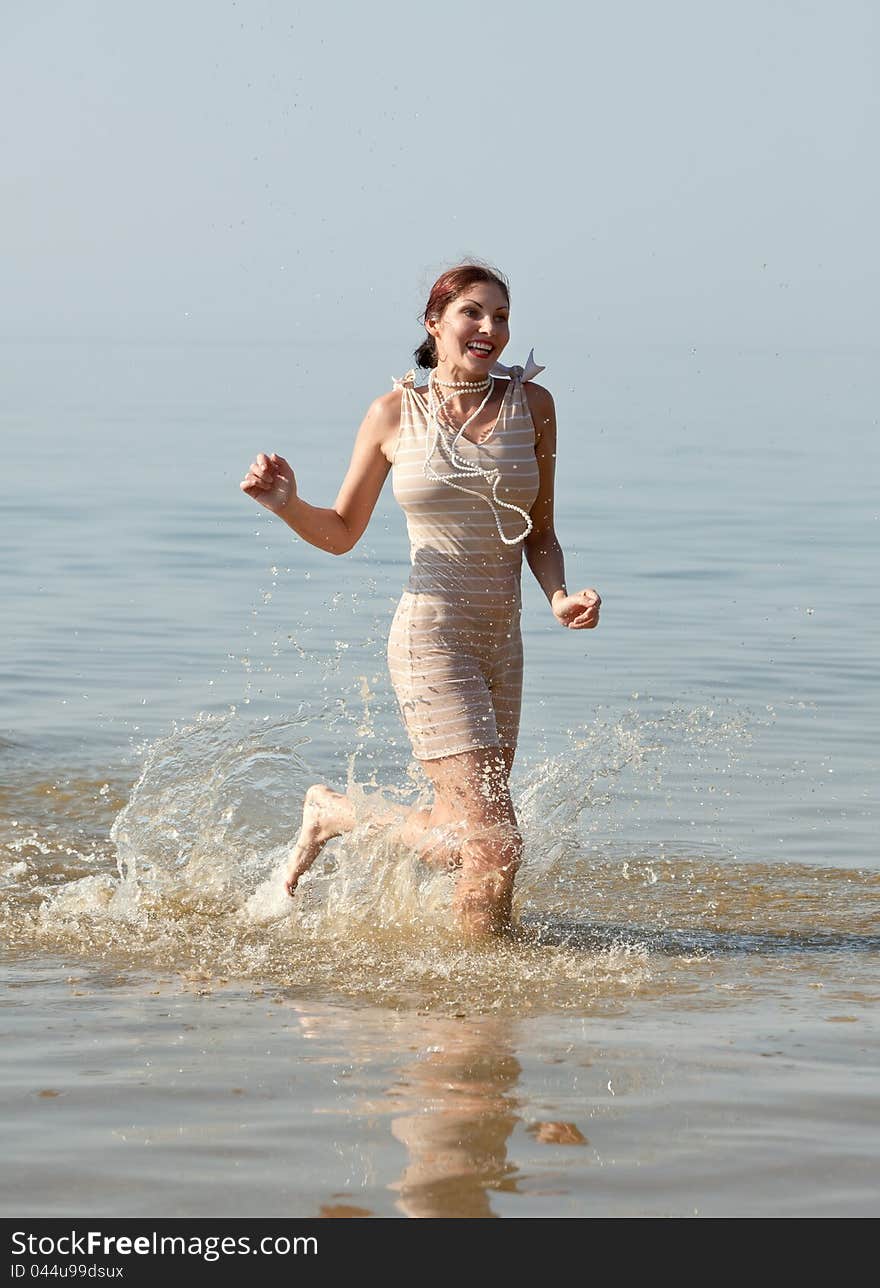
448	376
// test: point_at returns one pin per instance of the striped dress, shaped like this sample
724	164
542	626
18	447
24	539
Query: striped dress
455	650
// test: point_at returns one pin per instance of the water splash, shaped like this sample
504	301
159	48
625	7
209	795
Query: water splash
211	797
189	879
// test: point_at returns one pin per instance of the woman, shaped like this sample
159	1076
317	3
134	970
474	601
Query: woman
473	458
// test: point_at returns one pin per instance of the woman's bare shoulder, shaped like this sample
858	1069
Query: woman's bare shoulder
540	399
543	411
386	408
382	421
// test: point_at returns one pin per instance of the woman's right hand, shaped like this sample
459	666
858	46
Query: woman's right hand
271	481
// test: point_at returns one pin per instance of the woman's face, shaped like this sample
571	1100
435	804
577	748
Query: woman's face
473	329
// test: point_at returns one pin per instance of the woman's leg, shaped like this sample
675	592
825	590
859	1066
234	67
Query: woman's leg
470	792
327	814
436	833
472	789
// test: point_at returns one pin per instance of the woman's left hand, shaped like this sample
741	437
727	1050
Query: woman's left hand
579	612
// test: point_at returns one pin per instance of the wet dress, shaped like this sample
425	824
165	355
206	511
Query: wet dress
455	649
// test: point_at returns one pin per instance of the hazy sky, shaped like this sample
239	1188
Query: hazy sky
688	170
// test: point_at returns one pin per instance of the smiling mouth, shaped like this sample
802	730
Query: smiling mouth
481	350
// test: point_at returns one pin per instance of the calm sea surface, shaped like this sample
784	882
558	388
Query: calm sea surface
687	1021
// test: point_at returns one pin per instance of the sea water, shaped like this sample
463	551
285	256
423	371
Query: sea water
685	1016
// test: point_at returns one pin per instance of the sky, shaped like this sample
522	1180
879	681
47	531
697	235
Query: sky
689	172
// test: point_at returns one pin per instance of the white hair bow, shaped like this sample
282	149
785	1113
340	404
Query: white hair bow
528	372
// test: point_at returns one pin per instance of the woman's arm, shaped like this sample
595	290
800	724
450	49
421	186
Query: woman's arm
542	549
271	481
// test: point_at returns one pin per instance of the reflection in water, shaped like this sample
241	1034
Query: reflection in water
457	1112
452	1106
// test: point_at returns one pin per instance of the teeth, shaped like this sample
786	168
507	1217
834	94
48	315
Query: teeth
481	348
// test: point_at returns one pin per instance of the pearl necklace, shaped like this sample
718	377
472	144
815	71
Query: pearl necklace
478	386
438	405
462	469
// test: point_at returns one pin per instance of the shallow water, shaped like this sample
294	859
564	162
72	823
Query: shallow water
129	1094
685	1019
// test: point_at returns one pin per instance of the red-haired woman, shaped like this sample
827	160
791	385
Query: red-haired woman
472	455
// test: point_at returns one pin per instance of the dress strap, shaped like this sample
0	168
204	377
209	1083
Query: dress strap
404	382
528	372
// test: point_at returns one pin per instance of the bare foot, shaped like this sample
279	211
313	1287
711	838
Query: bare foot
325	814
